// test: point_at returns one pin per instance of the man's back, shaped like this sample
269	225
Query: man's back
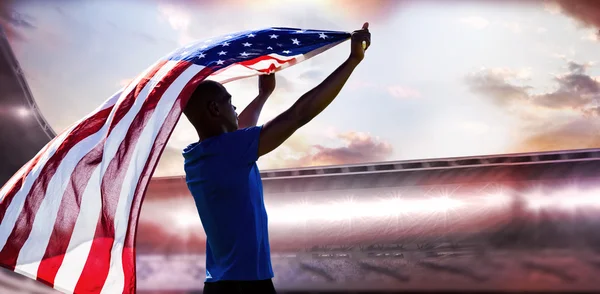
223	177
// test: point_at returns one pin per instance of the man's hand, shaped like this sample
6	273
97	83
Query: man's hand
249	116
359	43
266	84
276	131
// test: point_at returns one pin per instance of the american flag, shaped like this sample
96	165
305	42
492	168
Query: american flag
68	216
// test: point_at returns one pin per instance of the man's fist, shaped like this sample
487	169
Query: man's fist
360	42
266	84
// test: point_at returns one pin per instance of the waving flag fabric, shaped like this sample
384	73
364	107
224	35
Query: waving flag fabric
69	216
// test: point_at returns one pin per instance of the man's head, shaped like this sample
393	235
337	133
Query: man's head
210	110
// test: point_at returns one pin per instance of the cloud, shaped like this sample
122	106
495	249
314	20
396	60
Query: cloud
587	12
179	19
495	84
564	118
14	22
575	89
477	22
349	148
358	148
572	134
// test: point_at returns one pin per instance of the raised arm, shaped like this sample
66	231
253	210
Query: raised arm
276	131
250	114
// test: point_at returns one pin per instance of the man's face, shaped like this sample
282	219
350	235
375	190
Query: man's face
227	110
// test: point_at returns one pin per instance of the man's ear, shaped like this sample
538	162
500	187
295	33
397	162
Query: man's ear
213	108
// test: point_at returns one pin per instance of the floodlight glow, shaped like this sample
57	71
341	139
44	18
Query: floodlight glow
22	112
364	209
568	199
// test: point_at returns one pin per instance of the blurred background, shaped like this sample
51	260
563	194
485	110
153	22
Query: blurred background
461	156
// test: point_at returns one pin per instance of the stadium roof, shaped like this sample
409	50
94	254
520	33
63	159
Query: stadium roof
23	129
556	166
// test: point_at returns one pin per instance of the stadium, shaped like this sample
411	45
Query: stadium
512	222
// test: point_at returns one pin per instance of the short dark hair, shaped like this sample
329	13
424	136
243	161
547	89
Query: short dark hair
205	92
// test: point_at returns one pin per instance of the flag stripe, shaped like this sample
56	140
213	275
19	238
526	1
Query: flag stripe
77	183
136	161
157	149
94	273
79	142
13	210
62	229
22	227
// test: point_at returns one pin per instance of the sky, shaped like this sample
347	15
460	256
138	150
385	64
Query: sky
441	78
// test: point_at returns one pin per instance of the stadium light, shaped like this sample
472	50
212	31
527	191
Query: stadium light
22	112
567	199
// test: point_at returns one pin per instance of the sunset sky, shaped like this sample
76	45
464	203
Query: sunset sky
442	78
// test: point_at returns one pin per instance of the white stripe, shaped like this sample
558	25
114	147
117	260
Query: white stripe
83	236
115	280
85	227
33	249
237	71
16	205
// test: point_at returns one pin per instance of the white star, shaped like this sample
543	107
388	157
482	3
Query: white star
287	51
251	36
244	54
201	55
322	36
273	36
279	44
247	44
295	41
220	62
225	44
222	52
270	48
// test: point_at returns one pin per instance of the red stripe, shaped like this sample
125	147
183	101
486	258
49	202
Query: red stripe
71	200
97	266
24	223
157	150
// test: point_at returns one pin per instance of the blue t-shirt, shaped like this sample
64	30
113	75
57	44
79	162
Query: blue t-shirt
222	175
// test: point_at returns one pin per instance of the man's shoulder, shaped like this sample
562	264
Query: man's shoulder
248	134
247	130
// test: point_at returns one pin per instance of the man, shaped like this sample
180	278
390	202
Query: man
222	175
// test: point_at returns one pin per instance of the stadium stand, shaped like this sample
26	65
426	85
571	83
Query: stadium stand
530	223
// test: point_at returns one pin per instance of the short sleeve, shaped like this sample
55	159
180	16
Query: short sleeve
242	145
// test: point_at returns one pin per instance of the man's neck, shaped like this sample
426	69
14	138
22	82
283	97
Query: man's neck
207	134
